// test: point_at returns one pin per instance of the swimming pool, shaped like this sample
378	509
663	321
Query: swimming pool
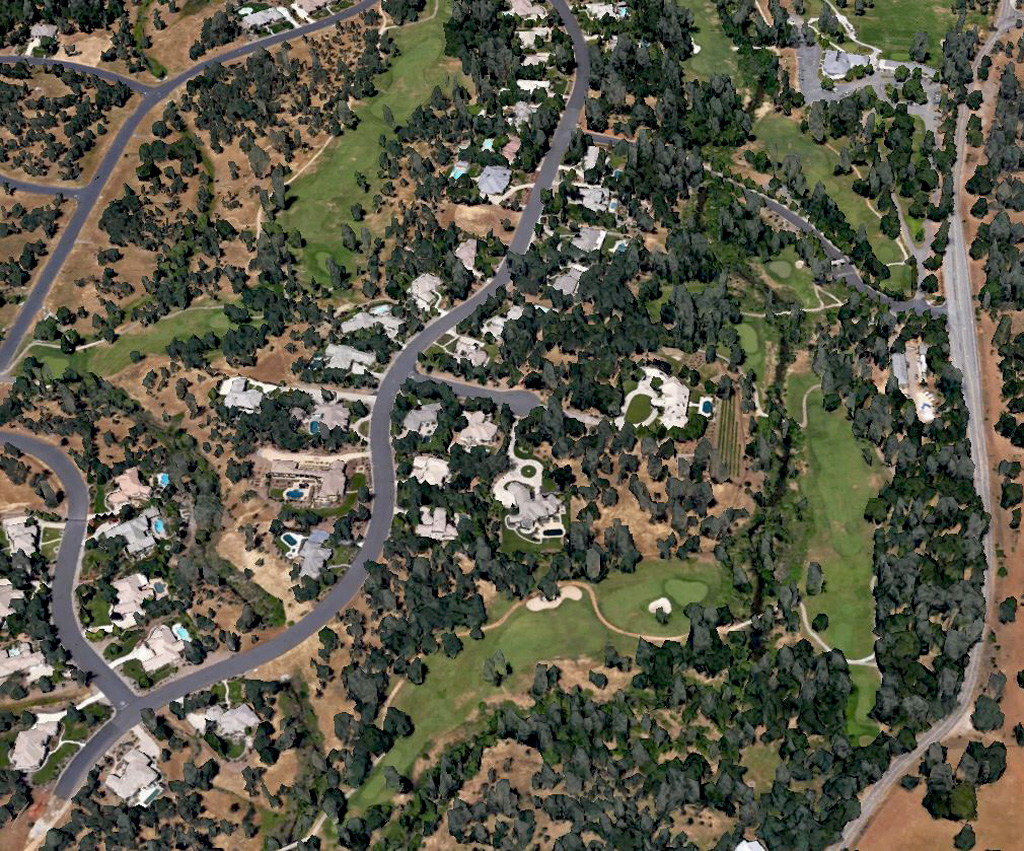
181	632
158	526
706	407
289	539
163	480
158	587
314	427
458	171
295	493
380	310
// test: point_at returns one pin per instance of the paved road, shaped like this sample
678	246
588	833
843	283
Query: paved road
88	195
520	402
964	351
130	705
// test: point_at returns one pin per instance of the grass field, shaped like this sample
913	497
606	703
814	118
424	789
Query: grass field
639	409
322	198
109	359
752	342
51	768
795	282
865	685
797	384
716	54
781	136
455	687
838	484
624	597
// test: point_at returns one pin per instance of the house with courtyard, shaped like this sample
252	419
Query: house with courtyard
469	349
534	515
668	397
163	648
304	478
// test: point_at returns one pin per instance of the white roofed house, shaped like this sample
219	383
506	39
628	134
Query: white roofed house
141	533
493	180
161	649
536	515
390	325
314	554
239	392
567	282
425	291
22	534
527	10
590	239
8	594
422	420
43	31
434	525
480	431
466	348
233	724
466	253
132	592
496	324
430	470
134	779
263	18
32	746
22	659
348	359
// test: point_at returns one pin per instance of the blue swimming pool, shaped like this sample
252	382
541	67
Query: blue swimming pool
314	427
158	587
163	480
181	632
158	526
295	493
289	539
706	407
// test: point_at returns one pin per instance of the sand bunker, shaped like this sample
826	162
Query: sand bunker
662	603
539	604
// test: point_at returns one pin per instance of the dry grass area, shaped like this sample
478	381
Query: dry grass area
479	219
43	83
269	570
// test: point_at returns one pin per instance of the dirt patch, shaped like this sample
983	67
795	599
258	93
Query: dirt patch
269	570
479	219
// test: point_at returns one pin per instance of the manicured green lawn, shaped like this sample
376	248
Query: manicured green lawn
716	54
54	762
795	281
751	340
859	726
639	409
797	384
891	26
781	136
322	198
837	485
624	597
110	359
455	687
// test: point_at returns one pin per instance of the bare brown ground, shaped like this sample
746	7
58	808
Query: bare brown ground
171	45
272	575
479	219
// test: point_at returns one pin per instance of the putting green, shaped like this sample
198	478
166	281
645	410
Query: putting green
624	597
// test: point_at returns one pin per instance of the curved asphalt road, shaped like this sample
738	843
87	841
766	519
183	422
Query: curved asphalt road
88	195
129	705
